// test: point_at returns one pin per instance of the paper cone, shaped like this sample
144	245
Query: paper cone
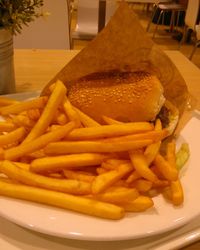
124	45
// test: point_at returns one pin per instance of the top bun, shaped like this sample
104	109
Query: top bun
124	96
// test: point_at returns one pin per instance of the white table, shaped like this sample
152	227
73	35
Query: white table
34	68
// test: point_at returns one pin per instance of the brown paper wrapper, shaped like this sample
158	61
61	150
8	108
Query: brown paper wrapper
124	45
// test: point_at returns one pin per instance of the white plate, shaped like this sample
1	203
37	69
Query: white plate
163	217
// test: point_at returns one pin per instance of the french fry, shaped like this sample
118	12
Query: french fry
22	165
38	143
151	135
61	119
110	121
105	180
101	170
139	162
118	195
109	131
117	162
71	112
142	185
74	161
49	110
17	108
69	147
140	204
7	126
85	119
16	135
33	114
165	168
23	121
152	150
31	179
171	153
5	101
78	175
62	200
177	194
133	176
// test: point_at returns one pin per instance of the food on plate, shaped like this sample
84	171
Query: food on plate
53	153
182	155
123	96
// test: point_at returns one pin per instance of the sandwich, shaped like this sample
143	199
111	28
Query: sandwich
123	96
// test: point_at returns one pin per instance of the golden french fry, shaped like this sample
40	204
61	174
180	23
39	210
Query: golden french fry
16	108
71	112
152	150
142	185
152	135
161	183
5	101
16	135
101	170
61	119
23	121
168	171
33	114
140	204
105	180
38	143
49	110
109	131
22	165
66	201
110	121
133	176
57	163
117	162
7	126
117	195
71	147
85	119
78	175
31	179
140	164
177	194
171	153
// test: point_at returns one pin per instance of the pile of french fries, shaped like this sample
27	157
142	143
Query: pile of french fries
52	153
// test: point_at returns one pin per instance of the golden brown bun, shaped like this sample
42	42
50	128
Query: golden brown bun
124	96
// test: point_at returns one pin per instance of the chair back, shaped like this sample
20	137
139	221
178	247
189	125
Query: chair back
50	32
192	13
87	17
198	31
111	6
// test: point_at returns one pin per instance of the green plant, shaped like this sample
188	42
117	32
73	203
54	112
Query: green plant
16	13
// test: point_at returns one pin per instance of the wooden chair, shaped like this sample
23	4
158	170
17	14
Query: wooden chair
170	6
50	32
191	15
197	30
88	22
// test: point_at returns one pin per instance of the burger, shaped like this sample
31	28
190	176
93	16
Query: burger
123	96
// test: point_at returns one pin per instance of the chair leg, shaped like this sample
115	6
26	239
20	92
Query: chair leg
156	28
184	36
194	49
152	17
72	43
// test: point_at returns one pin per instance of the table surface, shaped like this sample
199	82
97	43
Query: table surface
33	69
